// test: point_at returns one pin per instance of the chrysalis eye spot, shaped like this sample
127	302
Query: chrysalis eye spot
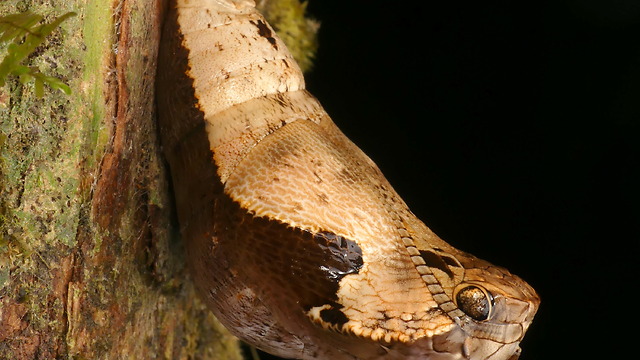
475	302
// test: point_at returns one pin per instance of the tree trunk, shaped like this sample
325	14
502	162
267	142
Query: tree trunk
91	264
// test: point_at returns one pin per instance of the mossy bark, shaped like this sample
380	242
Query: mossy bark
91	264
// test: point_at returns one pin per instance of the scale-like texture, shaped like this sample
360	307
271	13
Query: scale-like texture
296	240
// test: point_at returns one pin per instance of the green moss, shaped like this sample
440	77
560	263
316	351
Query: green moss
97	30
3	138
298	32
38	173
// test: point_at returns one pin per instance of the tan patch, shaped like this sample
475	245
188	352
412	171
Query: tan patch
321	187
235	131
303	156
249	65
11	319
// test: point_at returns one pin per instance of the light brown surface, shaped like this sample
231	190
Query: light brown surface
296	240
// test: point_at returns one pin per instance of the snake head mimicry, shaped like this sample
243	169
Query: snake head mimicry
295	239
498	308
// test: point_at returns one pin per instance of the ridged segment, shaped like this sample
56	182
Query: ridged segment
234	55
296	239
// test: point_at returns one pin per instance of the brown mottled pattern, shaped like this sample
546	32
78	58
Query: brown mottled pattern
295	239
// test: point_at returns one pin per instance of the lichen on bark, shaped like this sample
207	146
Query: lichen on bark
90	266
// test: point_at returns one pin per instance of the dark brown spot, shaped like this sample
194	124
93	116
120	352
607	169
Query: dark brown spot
318	179
323	197
433	260
279	99
450	261
265	32
334	315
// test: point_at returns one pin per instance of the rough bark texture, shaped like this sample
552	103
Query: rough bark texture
91	265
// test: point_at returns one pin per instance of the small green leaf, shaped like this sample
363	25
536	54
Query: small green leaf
25	78
15	26
56	83
21	70
25	36
64	88
39	86
47	29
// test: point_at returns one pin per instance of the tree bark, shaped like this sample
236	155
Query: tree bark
91	264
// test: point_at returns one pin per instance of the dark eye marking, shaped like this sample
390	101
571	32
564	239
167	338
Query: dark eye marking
333	315
345	256
475	302
434	260
450	261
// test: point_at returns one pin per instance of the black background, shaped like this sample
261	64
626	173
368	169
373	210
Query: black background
511	128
